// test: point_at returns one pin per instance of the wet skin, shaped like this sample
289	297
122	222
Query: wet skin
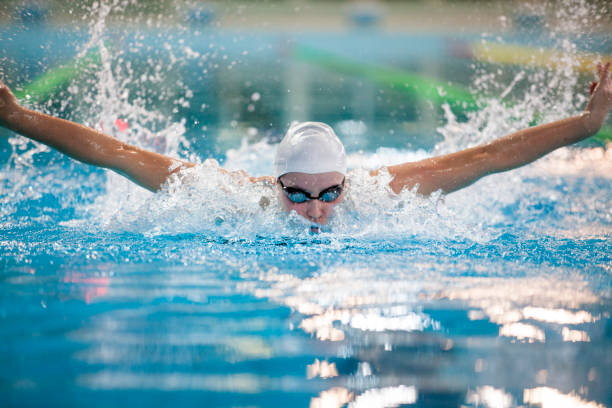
313	210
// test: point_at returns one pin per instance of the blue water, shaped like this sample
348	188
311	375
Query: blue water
496	296
94	316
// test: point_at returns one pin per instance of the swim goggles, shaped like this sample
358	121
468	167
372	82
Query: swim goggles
297	195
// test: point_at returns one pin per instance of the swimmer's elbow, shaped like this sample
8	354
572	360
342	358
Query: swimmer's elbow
488	159
118	157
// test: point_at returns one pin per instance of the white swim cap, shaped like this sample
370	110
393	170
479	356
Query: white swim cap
309	147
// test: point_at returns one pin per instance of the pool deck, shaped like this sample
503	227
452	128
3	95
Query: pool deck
292	16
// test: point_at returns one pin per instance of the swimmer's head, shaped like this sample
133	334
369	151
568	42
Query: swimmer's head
310	147
310	167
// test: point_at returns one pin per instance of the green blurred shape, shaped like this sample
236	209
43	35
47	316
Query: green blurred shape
419	86
416	85
44	86
604	136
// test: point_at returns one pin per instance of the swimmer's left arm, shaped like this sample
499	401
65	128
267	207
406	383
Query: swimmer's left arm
457	170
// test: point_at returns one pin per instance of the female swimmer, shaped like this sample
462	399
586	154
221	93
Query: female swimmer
310	162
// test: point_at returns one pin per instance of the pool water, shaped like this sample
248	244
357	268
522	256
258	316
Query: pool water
110	318
498	295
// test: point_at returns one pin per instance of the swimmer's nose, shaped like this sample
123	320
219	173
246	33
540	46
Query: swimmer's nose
315	209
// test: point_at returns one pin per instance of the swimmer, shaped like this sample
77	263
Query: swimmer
310	162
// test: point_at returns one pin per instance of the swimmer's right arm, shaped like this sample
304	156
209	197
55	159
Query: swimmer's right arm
454	171
147	169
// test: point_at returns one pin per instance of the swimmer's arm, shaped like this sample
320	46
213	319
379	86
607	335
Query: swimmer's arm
147	169
454	171
457	170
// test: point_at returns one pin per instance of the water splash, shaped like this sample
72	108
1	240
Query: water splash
117	96
548	88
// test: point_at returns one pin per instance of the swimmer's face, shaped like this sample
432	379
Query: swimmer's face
314	210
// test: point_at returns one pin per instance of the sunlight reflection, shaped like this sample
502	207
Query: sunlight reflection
321	369
574	335
332	398
522	331
559	316
92	286
550	398
548	300
488	396
498	296
373	398
358	299
362	299
385	397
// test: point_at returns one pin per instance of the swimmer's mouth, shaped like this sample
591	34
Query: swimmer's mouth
315	229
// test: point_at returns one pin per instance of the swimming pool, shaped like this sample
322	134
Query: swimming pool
497	295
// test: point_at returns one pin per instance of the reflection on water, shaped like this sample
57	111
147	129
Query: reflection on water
92	287
334	397
342	298
428	329
354	298
488	396
340	335
321	369
385	397
575	335
407	332
549	397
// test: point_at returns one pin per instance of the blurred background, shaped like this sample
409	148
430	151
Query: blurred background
382	73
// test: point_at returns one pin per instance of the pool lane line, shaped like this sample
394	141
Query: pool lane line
47	84
513	54
417	85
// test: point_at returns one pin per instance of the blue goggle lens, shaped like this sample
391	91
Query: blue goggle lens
330	195
296	196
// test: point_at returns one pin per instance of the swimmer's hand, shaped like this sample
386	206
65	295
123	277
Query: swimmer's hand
8	102
600	103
